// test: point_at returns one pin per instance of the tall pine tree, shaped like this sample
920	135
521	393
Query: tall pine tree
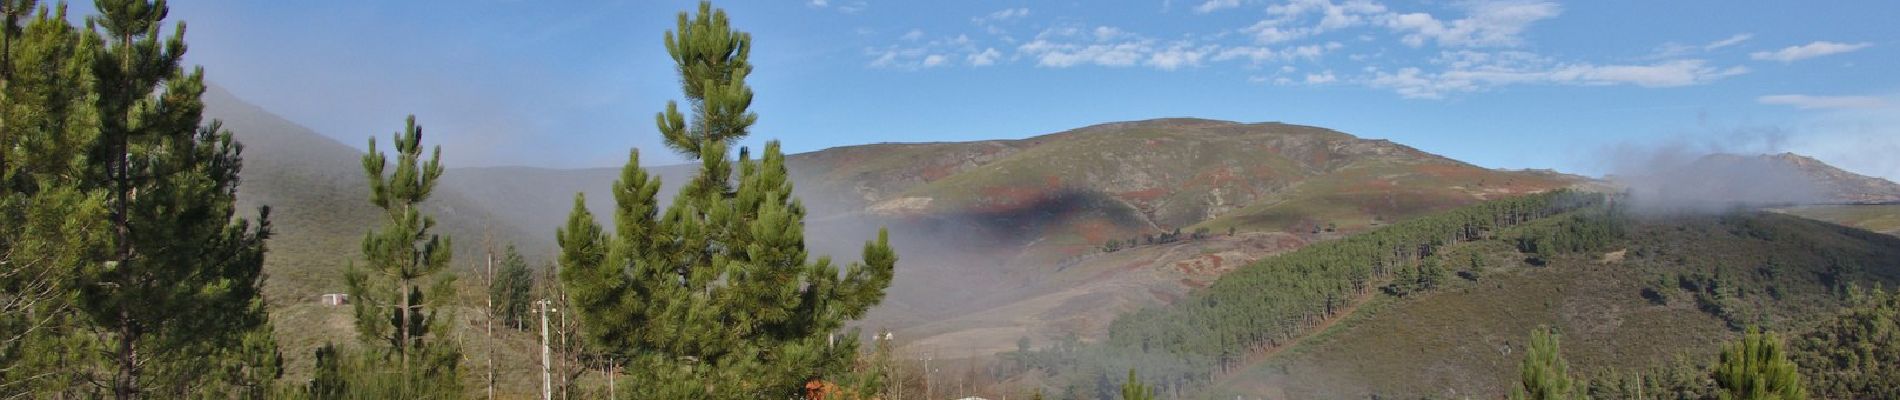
513	290
57	220
393	312
715	298
180	283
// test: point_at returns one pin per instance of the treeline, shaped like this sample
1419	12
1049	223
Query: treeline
1276	299
1114	245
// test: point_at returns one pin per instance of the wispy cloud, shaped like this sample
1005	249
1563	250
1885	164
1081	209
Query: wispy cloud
1730	41
847	8
994	23
1806	51
1321	78
1482	48
1292	21
1486	24
985	58
1003	15
1808	102
916	50
1477	71
1679	49
1216	5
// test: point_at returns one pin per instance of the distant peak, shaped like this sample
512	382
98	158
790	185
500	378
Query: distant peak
1160	122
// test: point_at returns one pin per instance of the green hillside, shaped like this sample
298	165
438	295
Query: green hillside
1438	306
1674	291
1883	218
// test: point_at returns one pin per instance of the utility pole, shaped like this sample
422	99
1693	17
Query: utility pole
928	392
547	375
488	281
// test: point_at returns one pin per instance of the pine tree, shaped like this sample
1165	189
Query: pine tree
513	290
1757	368
106	154
715	298
55	218
393	313
1134	390
1545	374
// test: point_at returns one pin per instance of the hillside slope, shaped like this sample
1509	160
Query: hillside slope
1723	179
319	212
999	239
1677	289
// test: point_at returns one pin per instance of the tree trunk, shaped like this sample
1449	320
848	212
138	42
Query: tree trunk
403	347
489	323
125	384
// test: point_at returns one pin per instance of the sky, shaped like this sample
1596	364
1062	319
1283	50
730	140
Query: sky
1503	84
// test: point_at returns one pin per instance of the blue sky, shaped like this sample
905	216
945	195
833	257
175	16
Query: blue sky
1511	84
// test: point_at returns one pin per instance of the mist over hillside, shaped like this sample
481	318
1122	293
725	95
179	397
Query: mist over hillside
998	239
1667	181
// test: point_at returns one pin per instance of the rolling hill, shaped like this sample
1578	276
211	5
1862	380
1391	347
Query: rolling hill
999	239
1003	238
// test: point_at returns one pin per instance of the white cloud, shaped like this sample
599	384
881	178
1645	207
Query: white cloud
909	58
1806	51
1477	71
1177	56
1062	55
1730	41
1216	5
1808	102
985	58
1332	16
1288	21
848	8
1254	54
1070	46
1321	78
1003	15
934	60
993	23
1269	32
913	35
1677	49
1487	24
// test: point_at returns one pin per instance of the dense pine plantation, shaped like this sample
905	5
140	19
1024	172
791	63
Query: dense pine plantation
1641	316
1273	300
1741	270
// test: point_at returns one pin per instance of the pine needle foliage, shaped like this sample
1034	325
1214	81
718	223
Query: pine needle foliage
395	317
1545	374
716	297
128	272
1757	368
